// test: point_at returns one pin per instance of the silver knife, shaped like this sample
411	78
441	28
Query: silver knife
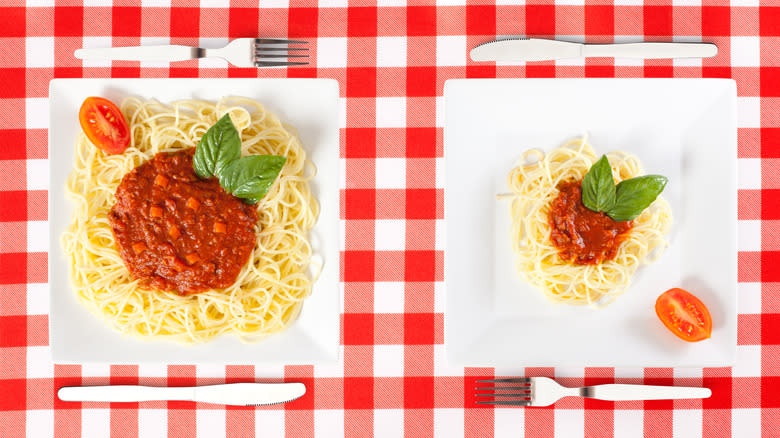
535	49
240	394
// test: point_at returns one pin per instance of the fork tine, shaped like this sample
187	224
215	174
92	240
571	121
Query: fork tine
259	49
527	394
506	402
278	41
277	63
515	380
278	55
503	388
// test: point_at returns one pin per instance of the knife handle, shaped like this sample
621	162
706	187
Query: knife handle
650	50
124	393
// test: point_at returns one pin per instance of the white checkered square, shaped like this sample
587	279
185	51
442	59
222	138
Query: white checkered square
210	423
450	2
39	52
390	235
749	112
282	4
388	423
442	366
687	373
390	173
391	112
570	2
509	422
745	3
629	3
686	3
389	296
326	368
628	372
746	422
569	423
391	52
210	371
332	3
153	423
449	422
98	3
36	112
749	298
687	62
89	42
269	370
439	297
329	422
687	423
97	370
749	235
156	3
37	236
331	52
269	423
39	3
215	4
391	3
95	423
628	423
749	173
570	372
40	423
150	370
745	51
451	50
388	361
748	363
39	365
37	174
37	298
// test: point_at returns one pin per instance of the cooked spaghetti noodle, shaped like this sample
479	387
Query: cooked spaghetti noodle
534	186
269	290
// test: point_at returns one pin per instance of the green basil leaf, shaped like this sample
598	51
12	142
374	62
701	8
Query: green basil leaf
219	146
634	195
251	177
598	187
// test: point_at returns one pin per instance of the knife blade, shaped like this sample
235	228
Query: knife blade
240	394
536	49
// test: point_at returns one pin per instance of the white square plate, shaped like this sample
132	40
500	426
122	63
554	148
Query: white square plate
684	129
312	107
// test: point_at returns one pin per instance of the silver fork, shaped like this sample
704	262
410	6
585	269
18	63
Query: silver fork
543	391
241	52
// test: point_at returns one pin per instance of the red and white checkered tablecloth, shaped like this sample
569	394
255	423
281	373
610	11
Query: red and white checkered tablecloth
391	61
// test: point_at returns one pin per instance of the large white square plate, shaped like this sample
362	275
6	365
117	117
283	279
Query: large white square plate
684	129
312	107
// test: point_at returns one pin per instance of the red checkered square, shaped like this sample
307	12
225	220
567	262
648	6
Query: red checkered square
358	328
770	260
770	204
361	82
14	393
540	20
360	203
715	21
420	266
419	328
421	20
68	21
599	20
421	81
13	82
770	81
421	204
126	21
13	268
362	22
12	22
185	22
13	331
421	142
770	392
769	21
770	142
540	70
770	327
480	20
302	22
358	265
418	392
243	22
657	20
358	392
360	143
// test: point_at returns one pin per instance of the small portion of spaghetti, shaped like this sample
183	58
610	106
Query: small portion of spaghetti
268	291
535	186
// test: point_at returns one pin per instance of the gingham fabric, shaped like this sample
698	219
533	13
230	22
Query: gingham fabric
391	61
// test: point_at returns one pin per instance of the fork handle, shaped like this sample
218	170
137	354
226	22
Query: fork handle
141	53
622	392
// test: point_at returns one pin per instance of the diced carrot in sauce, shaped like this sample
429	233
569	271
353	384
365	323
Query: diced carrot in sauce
161	180
174	232
193	203
139	247
155	212
219	227
192	258
177	264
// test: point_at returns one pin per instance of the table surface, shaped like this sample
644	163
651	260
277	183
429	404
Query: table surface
391	61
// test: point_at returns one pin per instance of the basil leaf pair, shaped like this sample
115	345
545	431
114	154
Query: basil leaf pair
251	177
623	202
219	154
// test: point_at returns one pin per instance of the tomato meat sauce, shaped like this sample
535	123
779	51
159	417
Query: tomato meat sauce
583	236
177	232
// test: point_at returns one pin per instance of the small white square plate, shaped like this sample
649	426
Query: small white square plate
684	129
312	107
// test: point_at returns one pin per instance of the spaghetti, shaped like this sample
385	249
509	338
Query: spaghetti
534	185
269	290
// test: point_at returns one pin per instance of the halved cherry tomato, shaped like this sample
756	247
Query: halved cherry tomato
684	314
104	125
